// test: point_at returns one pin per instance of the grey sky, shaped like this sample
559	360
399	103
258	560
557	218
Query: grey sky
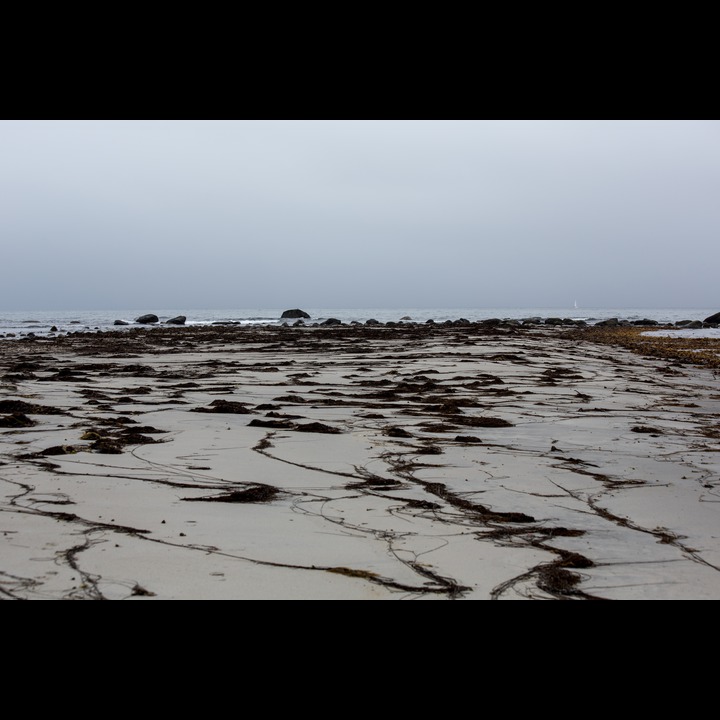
342	214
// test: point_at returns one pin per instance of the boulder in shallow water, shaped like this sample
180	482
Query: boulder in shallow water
296	313
121	322
179	320
148	319
713	319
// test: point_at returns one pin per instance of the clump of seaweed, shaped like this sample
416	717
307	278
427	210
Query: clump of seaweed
225	406
683	350
557	580
16	420
20	406
316	427
482	421
396	432
254	494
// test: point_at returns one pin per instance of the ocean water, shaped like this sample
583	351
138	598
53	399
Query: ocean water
18	324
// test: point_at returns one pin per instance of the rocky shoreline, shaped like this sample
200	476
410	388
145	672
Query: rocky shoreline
300	319
169	338
300	316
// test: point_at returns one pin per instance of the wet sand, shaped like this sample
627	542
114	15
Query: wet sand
356	462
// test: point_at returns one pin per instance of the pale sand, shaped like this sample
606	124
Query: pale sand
604	483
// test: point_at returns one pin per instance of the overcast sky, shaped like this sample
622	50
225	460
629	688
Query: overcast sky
136	214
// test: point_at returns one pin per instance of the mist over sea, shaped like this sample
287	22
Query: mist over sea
21	323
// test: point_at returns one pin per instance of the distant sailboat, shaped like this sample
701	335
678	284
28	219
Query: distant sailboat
576	307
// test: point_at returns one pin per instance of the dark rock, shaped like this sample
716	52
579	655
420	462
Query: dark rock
713	319
331	321
121	322
296	313
148	319
610	322
372	321
179	320
553	321
694	325
53	328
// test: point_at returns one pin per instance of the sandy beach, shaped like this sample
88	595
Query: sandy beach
415	462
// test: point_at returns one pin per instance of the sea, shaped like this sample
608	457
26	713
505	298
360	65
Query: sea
19	324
